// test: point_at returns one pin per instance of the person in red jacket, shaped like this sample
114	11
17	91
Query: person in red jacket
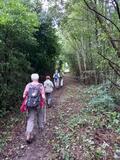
35	95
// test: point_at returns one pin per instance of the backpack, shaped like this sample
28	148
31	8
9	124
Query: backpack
33	99
56	77
48	87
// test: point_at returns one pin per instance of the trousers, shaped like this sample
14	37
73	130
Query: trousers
39	114
48	98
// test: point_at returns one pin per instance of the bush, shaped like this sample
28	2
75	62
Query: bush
102	99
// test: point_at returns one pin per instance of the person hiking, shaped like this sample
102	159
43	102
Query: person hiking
56	78
48	85
34	96
61	78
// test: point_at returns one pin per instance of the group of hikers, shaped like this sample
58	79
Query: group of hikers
36	97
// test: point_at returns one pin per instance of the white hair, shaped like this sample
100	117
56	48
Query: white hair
34	76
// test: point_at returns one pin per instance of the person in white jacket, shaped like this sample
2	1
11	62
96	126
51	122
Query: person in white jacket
48	85
56	78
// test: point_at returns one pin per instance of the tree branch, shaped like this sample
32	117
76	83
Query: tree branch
117	71
105	29
116	85
94	10
118	67
117	8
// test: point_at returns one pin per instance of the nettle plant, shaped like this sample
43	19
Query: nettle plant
102	99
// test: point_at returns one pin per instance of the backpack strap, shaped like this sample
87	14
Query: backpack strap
39	86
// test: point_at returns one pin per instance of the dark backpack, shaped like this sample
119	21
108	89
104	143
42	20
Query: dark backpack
56	77
33	99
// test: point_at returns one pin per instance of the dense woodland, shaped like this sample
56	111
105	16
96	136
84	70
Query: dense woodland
91	32
28	43
85	34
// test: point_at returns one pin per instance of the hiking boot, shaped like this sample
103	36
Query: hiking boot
28	138
29	141
49	106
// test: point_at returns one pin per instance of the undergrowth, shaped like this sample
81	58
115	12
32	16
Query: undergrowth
92	132
7	124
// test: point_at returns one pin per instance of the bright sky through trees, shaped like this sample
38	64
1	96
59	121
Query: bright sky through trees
45	5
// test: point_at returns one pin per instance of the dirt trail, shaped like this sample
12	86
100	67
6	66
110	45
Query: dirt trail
41	148
71	132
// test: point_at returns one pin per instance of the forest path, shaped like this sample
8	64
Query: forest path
41	148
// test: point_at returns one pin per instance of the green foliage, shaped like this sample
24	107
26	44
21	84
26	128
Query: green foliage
81	129
102	104
48	48
7	125
17	23
65	140
28	43
114	121
101	98
86	131
84	38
